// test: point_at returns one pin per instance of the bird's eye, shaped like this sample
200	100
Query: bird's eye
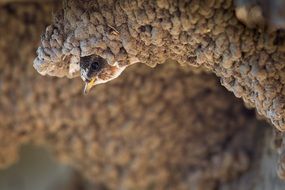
95	66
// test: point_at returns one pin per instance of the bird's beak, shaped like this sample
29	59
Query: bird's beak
89	85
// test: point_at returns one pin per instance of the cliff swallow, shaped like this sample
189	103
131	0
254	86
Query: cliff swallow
95	70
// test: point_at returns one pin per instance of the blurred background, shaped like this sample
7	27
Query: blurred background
38	170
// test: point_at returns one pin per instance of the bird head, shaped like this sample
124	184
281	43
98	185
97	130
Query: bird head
95	70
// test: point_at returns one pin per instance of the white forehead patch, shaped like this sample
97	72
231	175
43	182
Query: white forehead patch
83	74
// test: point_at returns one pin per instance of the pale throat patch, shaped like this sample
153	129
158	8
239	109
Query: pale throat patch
116	74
